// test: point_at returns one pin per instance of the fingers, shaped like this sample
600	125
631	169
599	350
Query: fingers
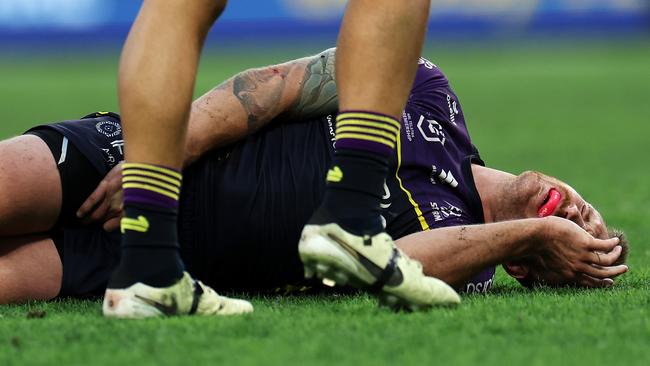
106	188
597	271
606	259
591	282
97	196
112	224
606	245
100	213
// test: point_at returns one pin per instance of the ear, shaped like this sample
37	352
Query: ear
517	270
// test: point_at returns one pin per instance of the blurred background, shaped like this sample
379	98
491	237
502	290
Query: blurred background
76	22
561	86
70	48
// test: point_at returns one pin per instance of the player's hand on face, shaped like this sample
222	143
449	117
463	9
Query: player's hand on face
573	256
105	204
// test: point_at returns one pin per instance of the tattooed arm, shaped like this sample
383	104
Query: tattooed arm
243	104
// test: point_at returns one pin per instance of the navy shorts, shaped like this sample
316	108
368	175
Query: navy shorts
85	150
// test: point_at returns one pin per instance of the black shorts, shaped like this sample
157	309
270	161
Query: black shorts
85	150
78	176
89	256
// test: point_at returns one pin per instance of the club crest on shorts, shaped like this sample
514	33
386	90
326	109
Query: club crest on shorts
109	128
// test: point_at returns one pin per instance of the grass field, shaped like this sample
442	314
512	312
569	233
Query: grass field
581	113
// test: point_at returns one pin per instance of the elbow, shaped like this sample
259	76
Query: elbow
192	153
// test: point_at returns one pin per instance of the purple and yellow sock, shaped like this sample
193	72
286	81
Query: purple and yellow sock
151	185
365	142
373	132
150	248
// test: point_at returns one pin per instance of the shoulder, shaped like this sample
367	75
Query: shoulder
429	75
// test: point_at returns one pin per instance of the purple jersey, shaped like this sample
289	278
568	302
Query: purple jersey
430	184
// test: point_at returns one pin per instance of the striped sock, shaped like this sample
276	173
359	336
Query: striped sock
151	185
372	132
355	184
150	248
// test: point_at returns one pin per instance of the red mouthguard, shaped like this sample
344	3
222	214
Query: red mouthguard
551	203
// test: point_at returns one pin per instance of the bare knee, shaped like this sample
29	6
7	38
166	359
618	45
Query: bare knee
213	9
198	13
219	7
30	268
210	9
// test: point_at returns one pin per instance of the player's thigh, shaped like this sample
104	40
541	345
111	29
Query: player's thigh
30	269
30	186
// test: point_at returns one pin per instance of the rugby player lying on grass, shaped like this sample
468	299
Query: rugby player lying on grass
258	145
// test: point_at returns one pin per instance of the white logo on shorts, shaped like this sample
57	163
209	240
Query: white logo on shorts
108	128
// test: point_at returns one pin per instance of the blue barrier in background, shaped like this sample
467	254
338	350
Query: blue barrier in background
85	22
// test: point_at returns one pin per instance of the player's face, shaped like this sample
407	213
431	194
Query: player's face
550	196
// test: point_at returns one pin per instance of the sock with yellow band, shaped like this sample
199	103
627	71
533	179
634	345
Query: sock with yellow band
150	249
355	184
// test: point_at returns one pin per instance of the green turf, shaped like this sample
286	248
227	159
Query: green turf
579	113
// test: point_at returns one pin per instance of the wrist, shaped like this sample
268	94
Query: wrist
534	233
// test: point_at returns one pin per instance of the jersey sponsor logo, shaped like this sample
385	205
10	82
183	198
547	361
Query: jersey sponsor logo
453	109
426	63
434	174
335	174
408	125
431	130
445	177
451	210
479	287
110	159
448	178
141	224
109	128
444	211
119	145
330	129
437	216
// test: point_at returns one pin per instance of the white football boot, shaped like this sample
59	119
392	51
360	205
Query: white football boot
372	263
186	297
